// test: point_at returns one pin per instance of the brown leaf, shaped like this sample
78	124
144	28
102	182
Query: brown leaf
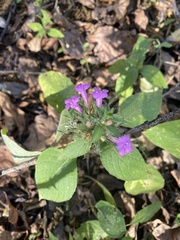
35	44
6	160
176	176
112	13
40	133
14	117
48	43
89	3
164	232
141	19
8	209
110	44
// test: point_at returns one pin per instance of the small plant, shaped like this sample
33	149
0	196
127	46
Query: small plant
133	66
93	125
45	26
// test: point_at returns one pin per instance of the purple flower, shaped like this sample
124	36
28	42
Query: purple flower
124	145
99	95
72	103
81	89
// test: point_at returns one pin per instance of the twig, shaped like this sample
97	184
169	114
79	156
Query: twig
152	123
18	71
18	167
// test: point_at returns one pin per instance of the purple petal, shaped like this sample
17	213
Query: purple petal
124	145
81	89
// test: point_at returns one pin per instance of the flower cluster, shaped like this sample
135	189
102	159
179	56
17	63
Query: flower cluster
98	95
124	145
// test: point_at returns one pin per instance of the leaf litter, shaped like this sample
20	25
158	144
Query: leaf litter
109	29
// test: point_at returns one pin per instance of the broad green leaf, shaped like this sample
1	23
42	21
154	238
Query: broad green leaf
19	154
167	136
111	219
35	26
154	76
113	131
129	167
146	213
97	133
153	182
139	108
56	177
125	94
56	88
108	196
146	86
76	148
55	33
91	230
140	49
64	124
128	75
51	236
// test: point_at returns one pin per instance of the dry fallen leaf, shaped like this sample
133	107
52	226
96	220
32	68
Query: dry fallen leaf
141	19
35	44
176	176
40	133
13	116
89	3
7	209
110	13
164	232
111	44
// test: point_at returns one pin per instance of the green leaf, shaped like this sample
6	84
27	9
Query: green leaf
55	33
127	238
125	94
51	236
56	88
56	177
166	45
140	49
167	22
126	79
154	76
64	124
152	182
111	219
146	86
128	74
129	167
108	196
97	133
35	26
77	148
45	19
19	154
139	108
146	213
177	219
166	136
41	33
91	230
